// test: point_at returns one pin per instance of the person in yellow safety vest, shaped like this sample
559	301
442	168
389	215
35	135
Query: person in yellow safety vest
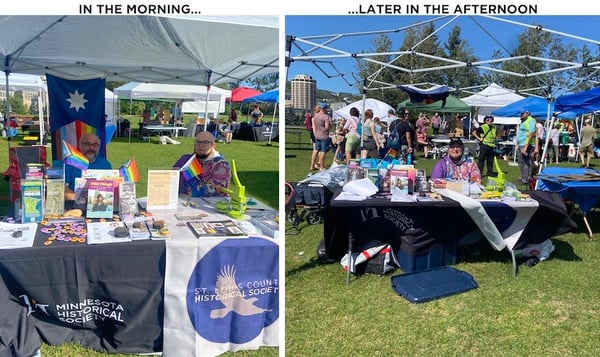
486	135
528	145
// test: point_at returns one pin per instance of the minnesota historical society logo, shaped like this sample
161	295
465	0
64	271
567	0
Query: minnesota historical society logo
233	292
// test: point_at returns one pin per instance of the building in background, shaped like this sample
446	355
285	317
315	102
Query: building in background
304	92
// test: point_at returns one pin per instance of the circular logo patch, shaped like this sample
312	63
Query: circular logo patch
233	292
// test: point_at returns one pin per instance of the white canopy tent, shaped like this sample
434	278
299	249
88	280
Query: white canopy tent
204	50
200	50
491	98
194	96
380	109
110	104
144	91
21	82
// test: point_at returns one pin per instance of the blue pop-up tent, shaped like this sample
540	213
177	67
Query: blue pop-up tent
537	107
271	96
579	103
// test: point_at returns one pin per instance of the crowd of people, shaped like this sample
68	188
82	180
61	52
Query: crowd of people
368	136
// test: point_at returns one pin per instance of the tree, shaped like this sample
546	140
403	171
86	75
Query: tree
34	106
16	103
265	83
459	50
378	75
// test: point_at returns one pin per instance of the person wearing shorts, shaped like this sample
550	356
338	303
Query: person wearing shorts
321	126
352	139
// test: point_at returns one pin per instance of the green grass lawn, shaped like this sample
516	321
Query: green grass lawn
550	309
257	166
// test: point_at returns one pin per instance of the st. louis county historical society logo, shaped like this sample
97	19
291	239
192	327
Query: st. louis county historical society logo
237	289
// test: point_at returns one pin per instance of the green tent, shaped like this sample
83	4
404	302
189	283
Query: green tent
453	104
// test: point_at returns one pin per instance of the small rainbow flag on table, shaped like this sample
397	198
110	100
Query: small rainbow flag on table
129	171
390	155
74	157
191	169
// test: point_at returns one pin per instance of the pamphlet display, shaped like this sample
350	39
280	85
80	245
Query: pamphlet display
163	189
32	200
34	171
127	199
55	197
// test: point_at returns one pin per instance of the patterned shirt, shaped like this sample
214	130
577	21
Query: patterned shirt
215	172
462	170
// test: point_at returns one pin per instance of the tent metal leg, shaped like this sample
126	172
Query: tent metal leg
587	225
350	260
514	262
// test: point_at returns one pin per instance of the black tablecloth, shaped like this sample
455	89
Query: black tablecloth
429	223
105	297
256	133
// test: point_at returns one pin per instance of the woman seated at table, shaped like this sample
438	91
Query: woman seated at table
455	165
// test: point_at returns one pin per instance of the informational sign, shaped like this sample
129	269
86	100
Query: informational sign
163	189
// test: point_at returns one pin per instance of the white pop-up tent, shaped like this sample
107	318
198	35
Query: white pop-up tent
21	82
142	91
379	108
200	50
491	98
194	96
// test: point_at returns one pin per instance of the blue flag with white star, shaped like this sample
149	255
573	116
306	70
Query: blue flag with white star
71	101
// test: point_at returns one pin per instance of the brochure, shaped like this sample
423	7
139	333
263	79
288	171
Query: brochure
17	235
55	197
104	232
127	199
32	200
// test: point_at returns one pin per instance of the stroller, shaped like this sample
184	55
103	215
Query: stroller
306	201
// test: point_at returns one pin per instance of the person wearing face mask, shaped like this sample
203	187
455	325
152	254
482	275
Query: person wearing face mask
455	166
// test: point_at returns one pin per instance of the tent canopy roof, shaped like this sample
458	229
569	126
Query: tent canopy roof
271	96
453	104
19	81
579	103
379	108
240	93
492	96
136	90
200	50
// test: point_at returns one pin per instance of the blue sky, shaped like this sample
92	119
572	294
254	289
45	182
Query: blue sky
473	28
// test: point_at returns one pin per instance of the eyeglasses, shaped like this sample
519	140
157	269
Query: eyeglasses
92	145
203	142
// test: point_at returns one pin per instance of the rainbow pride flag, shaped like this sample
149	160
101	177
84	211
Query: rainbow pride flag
129	171
390	155
74	157
191	169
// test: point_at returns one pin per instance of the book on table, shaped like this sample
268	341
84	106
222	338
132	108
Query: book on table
220	228
100	198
